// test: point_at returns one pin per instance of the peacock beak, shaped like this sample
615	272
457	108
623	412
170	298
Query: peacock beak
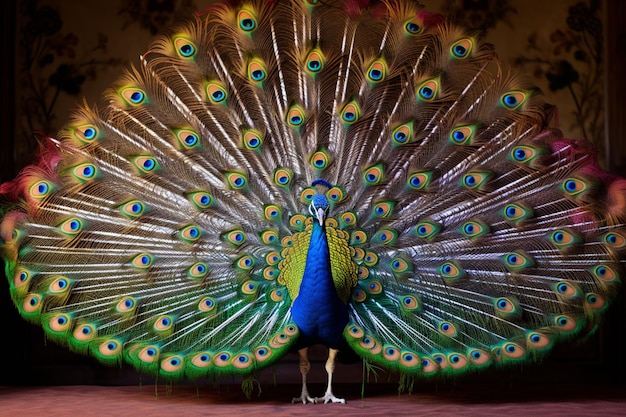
320	214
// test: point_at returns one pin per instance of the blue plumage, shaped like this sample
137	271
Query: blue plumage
319	313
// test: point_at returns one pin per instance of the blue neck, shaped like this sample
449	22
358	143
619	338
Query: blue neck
318	311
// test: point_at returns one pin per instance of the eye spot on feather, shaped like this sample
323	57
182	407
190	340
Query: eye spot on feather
59	323
110	348
201	359
457	361
409	302
272	212
335	194
565	324
60	285
189	234
377	71
142	260
383	209
428	90
419	180
187	139
614	240
247	20
40	189
245	262
163	324
272	258
462	135
184	47
216	92
145	164
85	134
315	61
236	181
605	273
85	172
351	112
71	227
566	289
32	303
402	134
595	301
206	304
320	160
283	177
513	100
173	364
200	199
262	353
537	340
462	48
414	26
257	71
359	295
133	96
22	277
450	271
373	175
474	228
447	328
358	237
198	270
513	351
251	139
126	305
84	332
391	353
429	366
517	261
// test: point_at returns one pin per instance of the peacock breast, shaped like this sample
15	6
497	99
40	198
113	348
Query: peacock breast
341	266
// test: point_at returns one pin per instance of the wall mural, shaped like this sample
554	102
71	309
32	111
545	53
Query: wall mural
65	54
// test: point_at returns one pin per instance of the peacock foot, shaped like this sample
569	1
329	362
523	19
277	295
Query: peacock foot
305	398
329	397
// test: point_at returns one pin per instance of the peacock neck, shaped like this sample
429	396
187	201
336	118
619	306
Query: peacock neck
317	272
318	311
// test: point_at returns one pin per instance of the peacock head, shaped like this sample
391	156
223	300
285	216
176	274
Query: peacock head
319	204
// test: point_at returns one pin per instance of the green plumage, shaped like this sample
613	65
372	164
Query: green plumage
169	229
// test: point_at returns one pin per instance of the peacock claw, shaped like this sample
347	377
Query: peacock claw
329	397
305	398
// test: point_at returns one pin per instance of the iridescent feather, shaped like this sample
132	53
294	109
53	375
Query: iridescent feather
279	174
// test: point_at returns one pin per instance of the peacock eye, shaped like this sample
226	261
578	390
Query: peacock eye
295	116
216	92
257	70
461	49
377	71
133	96
428	90
252	139
247	20
513	99
373	175
403	134
351	112
315	61
184	47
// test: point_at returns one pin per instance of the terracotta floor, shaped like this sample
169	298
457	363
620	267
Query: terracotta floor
477	400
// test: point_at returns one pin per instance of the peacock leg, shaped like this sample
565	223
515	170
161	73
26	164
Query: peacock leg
330	368
305	366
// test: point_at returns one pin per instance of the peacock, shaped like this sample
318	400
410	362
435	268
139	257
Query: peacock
274	175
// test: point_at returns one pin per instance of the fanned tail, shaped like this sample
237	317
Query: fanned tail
166	228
